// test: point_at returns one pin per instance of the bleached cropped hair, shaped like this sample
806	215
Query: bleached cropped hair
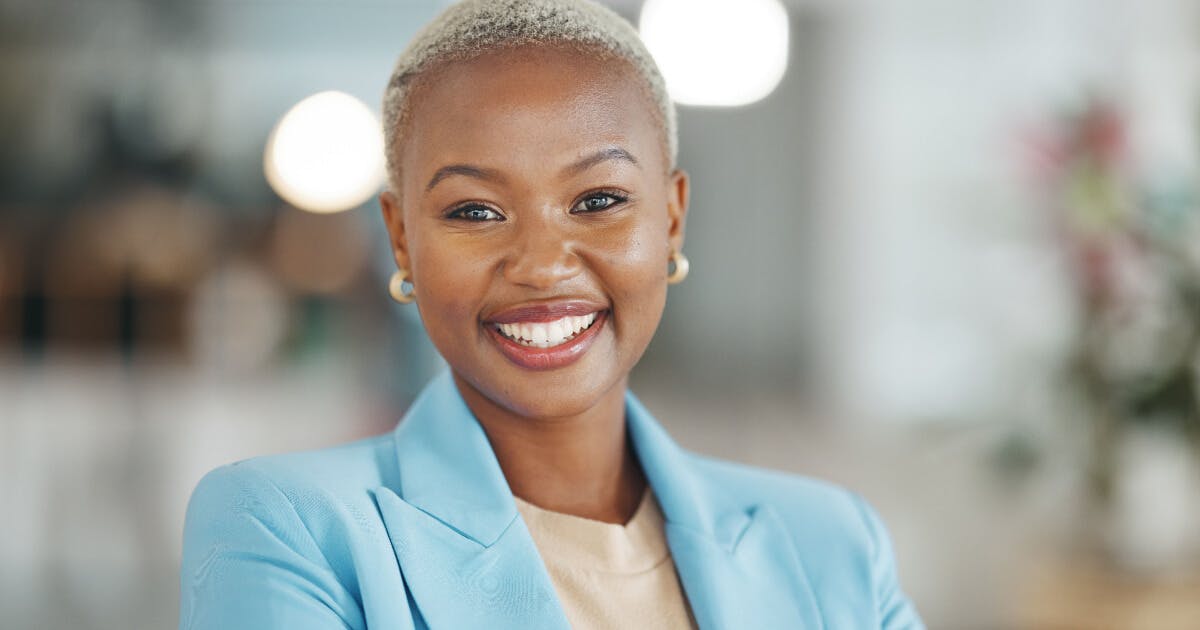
472	28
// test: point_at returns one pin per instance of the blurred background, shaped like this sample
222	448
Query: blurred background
943	253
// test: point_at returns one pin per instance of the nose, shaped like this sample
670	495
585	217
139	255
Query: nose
542	255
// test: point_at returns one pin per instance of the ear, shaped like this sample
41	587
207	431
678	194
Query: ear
393	217
677	206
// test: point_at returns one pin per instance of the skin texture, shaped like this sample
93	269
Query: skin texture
557	227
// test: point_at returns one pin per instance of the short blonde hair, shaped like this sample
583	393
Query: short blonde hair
471	28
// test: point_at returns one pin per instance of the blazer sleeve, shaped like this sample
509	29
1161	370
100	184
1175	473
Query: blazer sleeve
249	561
893	607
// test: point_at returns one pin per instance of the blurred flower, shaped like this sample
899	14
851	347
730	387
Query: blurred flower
1132	242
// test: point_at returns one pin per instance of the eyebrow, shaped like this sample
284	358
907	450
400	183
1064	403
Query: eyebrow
461	169
477	172
603	155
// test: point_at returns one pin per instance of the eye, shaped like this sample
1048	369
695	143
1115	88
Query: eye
598	201
475	212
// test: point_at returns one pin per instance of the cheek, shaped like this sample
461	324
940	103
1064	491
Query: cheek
450	286
638	276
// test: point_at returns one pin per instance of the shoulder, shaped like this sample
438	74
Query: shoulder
839	537
788	493
281	540
270	541
347	469
826	521
302	500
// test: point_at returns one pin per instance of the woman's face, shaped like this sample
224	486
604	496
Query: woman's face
536	212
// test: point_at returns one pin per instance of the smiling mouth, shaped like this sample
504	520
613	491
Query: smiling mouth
547	334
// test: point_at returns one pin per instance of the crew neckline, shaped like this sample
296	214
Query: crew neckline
588	544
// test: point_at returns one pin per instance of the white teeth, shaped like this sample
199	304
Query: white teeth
547	334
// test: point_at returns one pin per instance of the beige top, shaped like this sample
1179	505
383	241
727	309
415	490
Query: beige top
609	575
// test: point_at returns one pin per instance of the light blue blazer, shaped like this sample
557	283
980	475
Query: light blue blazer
418	529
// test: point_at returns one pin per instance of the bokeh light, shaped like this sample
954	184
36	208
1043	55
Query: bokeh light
326	153
717	53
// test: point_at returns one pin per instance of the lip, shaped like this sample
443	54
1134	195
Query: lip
545	312
562	355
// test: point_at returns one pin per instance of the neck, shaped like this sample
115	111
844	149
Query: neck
582	464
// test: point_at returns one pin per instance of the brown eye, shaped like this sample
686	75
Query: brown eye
475	212
596	202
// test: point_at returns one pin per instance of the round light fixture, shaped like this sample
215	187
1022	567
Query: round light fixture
721	53
326	153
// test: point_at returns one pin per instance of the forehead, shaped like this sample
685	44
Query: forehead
525	106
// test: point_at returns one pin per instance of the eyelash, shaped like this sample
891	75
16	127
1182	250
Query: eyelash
617	198
460	213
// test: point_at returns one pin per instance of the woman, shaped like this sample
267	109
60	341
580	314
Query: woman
536	217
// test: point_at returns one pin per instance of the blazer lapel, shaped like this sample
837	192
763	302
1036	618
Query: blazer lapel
469	561
466	557
735	558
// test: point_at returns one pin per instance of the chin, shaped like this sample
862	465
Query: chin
549	395
545	406
542	394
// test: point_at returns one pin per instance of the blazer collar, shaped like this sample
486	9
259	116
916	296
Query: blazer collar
453	522
447	466
449	470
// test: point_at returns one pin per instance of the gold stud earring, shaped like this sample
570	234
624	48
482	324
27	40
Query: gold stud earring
396	287
681	267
